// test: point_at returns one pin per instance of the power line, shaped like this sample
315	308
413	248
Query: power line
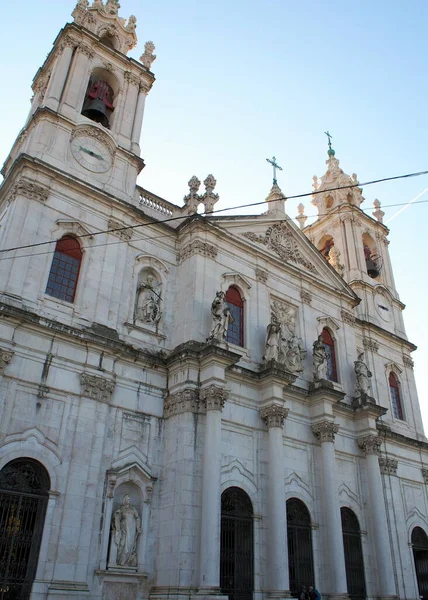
249	205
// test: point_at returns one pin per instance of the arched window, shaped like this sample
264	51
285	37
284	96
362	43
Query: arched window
64	273
420	555
394	390
235	331
99	99
24	487
331	355
300	555
354	563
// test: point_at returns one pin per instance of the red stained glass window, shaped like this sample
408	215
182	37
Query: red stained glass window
64	273
235	331
331	355
394	389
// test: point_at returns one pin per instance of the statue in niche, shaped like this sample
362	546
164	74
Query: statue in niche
363	375
149	301
319	359
126	528
222	317
273	340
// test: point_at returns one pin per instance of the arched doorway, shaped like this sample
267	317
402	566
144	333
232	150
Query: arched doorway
420	555
354	562
24	487
300	555
236	546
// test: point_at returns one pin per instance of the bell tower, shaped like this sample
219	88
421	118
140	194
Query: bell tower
355	244
87	111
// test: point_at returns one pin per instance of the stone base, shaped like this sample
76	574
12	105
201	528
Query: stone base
333	596
278	594
210	593
185	593
123	584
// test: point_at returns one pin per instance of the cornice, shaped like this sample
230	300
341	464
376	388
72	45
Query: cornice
342	209
367	325
392	436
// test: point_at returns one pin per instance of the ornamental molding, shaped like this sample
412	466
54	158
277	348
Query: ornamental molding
144	88
306	297
5	358
68	42
369	444
261	275
425	474
213	397
184	401
96	387
370	344
280	239
325	431
132	78
197	247
329	323
348	318
388	466
30	190
408	362
123	234
274	415
95	133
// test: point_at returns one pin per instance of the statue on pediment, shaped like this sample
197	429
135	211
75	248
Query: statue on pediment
319	359
221	317
362	374
273	340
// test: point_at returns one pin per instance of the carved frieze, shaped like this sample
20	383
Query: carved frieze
388	466
123	234
5	358
370	344
261	275
96	387
325	431
369	444
280	239
348	318
197	247
30	190
306	296
181	402
213	397
274	415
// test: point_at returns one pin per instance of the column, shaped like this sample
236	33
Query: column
59	74
351	247
74	96
325	432
370	445
274	417
214	398
131	93
138	118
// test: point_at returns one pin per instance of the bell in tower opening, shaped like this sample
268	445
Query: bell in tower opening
98	104
373	262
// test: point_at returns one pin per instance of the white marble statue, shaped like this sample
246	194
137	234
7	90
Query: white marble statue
149	301
126	527
294	354
222	317
319	359
363	375
273	340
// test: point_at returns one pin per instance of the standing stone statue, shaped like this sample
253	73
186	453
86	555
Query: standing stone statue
222	317
273	340
319	359
126	529
363	375
149	301
294	354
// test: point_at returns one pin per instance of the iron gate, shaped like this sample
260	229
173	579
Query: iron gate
24	486
300	555
236	546
353	551
420	555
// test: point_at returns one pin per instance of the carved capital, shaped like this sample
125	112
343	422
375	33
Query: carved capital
86	50
370	345
348	318
325	431
306	296
132	78
274	415
425	474
30	190
144	88
388	466
213	397
67	42
408	362
261	275
197	247
97	388
184	401
5	358
123	234
369	444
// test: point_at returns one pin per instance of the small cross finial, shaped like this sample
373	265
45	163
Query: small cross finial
330	152
275	166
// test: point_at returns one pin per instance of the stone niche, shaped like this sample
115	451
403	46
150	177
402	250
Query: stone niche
125	548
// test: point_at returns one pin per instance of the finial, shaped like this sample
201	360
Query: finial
148	57
275	167
301	217
209	198
330	152
193	199
378	214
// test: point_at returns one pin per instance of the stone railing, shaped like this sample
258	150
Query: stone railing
156	204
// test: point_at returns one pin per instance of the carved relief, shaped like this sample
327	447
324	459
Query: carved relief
425	474
274	415
281	343
280	239
388	466
348	318
370	344
181	402
369	444
5	358
123	234
213	397
96	387
306	296
261	275
30	190
408	362
325	431
197	247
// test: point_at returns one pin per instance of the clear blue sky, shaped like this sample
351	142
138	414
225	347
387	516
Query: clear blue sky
240	81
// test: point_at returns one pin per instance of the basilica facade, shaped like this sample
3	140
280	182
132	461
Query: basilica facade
192	404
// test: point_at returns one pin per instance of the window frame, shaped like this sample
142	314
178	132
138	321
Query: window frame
69	253
238	304
397	407
331	343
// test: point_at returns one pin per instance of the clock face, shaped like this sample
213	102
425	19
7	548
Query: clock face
383	308
91	154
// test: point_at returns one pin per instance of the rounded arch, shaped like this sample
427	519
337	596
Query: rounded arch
300	549
65	269
373	260
235	330
330	348
354	562
419	542
325	244
25	474
395	393
101	97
